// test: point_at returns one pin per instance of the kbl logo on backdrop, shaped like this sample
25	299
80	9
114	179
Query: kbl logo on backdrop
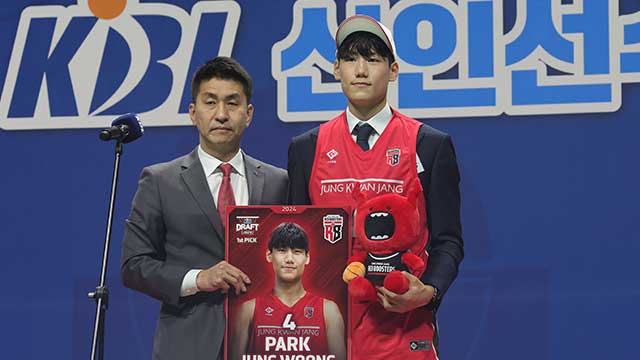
82	65
79	66
455	60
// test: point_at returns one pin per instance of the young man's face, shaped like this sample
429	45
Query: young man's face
365	80
221	113
288	264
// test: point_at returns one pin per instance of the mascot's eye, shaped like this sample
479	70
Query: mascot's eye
388	207
370	209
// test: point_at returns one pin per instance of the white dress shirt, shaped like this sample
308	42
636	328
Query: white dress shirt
214	176
378	122
210	165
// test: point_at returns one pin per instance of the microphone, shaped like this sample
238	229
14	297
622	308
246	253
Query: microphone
124	128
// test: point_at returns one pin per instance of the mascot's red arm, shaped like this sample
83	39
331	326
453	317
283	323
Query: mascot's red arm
413	262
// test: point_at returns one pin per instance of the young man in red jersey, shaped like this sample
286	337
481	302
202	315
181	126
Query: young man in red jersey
379	150
289	320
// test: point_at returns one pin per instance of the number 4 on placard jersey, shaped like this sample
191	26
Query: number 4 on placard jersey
288	324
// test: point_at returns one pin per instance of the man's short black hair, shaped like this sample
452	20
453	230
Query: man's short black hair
364	44
223	68
289	235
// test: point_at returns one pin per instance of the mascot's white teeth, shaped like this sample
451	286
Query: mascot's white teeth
379	225
379	214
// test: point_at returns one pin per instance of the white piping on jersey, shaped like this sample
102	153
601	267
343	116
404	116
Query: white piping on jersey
384	257
390	256
280	327
361	180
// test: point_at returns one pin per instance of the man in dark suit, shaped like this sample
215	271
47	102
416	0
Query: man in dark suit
377	149
173	248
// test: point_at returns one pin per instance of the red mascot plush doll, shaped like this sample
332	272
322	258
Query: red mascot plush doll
390	239
386	227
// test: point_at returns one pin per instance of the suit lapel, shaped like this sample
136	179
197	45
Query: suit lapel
194	178
255	179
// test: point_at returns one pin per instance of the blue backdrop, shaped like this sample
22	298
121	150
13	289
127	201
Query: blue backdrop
540	96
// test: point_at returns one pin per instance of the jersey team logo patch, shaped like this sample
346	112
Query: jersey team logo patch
308	312
331	154
393	157
332	228
268	311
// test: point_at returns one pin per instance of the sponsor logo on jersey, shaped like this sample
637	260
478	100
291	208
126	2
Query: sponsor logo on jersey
331	154
419	345
373	185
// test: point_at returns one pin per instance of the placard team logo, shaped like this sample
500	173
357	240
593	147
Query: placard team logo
332	228
82	65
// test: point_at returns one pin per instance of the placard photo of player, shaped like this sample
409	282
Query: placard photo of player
288	316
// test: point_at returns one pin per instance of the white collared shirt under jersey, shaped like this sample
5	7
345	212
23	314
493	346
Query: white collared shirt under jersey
378	122
213	174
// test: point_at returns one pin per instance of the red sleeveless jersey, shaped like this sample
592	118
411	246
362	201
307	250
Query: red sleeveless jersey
380	334
340	165
296	330
389	166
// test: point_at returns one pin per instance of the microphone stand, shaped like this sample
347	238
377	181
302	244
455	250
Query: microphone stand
101	294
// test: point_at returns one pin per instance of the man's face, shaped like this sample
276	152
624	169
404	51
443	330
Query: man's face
221	113
365	80
288	264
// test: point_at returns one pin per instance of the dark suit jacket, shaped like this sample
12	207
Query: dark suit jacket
439	180
174	227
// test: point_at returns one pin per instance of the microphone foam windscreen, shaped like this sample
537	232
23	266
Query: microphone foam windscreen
133	122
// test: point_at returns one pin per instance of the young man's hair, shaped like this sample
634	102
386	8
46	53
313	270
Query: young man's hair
289	235
364	44
223	68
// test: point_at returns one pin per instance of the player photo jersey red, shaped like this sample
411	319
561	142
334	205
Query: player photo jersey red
280	329
388	167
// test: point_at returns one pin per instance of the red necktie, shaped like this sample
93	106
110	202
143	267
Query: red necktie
225	195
